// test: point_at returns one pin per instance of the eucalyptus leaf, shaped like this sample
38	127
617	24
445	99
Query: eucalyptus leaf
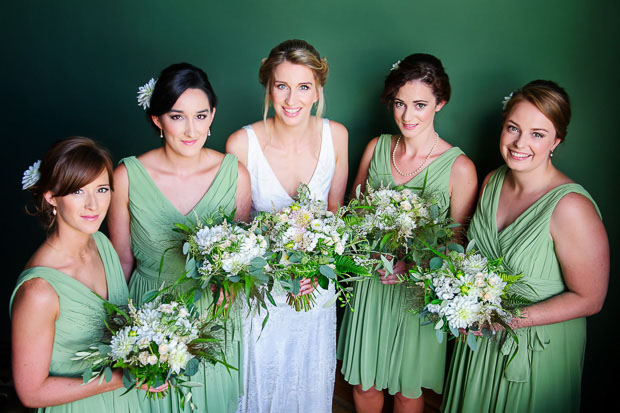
108	374
439	335
86	376
332	300
471	245
454	330
185	248
439	324
453	246
327	271
191	367
129	380
190	384
471	341
358	191
435	263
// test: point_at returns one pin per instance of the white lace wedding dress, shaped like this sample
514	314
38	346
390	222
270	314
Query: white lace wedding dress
291	367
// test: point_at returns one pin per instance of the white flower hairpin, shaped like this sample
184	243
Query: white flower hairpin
145	92
506	100
395	66
31	175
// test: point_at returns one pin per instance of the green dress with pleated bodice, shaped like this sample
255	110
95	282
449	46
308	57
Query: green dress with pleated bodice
80	323
545	373
381	344
152	221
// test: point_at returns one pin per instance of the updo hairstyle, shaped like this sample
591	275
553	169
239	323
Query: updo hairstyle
172	82
422	67
70	164
298	52
549	98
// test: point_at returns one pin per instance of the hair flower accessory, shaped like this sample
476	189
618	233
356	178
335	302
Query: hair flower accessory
145	92
31	175
506	100
395	66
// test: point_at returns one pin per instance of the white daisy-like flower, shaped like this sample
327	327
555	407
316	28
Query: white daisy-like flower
145	92
178	358
395	66
462	312
506	100
122	343
31	175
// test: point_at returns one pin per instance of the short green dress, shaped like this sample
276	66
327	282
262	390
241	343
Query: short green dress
80	324
545	374
381	344
152	221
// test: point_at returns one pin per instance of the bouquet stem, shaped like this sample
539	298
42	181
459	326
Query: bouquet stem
299	302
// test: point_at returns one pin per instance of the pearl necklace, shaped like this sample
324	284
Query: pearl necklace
419	168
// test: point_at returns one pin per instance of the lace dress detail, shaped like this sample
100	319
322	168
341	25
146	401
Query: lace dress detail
290	365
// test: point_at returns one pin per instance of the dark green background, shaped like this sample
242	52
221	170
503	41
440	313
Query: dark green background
73	68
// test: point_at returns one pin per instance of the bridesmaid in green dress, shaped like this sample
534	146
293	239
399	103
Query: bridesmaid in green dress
54	309
381	345
170	184
548	228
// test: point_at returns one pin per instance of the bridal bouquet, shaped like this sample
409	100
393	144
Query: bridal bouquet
227	256
465	292
399	221
162	341
308	241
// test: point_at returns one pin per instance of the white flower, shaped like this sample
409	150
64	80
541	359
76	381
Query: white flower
145	92
406	205
122	343
31	175
506	100
395	66
462	312
144	357
152	359
178	358
183	312
165	308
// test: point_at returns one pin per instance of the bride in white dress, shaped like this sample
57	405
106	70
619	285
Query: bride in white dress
291	368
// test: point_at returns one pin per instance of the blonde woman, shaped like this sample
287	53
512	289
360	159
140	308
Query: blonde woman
291	367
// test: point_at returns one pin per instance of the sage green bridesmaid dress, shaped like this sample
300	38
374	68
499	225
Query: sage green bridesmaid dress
152	221
545	374
80	324
381	344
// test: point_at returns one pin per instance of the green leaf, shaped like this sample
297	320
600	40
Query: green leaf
129	380
270	298
191	367
327	271
439	324
86	376
197	295
439	335
454	331
358	191
470	246
332	300
387	264
258	262
104	349
323	282
185	248
435	263
108	374
453	246
191	384
471	341
149	295
190	265
434	211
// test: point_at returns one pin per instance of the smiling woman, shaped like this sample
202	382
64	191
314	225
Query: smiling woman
56	306
281	152
177	182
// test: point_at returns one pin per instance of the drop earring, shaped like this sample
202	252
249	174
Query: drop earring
161	133
551	154
54	211
209	132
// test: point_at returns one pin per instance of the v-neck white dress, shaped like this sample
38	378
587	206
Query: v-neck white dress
290	365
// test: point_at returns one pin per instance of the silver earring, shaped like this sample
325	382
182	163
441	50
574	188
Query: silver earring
209	132
54	211
161	133
551	154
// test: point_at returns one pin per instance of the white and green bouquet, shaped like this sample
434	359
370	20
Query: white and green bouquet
227	257
163	341
399	221
464	293
308	241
